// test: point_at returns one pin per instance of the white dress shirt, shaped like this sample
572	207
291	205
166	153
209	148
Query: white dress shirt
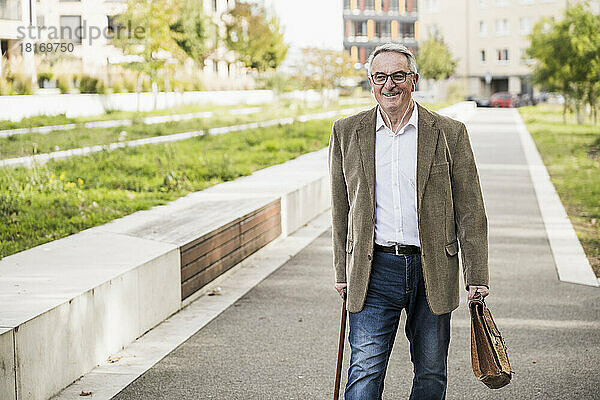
396	183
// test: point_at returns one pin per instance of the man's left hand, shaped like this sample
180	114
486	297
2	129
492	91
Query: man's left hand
481	289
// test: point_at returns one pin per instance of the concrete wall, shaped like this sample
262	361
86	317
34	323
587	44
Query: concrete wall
73	302
7	364
15	108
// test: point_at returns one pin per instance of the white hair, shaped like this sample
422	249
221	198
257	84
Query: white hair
394	48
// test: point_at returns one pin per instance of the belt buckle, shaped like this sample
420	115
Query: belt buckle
396	246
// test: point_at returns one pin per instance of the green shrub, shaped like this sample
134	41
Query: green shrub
89	84
6	87
44	76
21	84
117	87
129	85
63	84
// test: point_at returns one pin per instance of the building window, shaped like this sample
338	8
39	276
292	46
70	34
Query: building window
10	9
393	6
502	55
214	5
4	48
360	28
384	30
70	28
525	24
369	5
112	26
39	20
408	31
525	59
482	56
482	28
346	4
482	3
432	6
502	3
502	27
433	31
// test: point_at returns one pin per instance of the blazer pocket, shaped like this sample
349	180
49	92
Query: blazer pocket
452	248
349	246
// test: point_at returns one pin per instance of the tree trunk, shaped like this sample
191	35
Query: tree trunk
580	111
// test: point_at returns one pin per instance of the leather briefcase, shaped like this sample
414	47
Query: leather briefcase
488	351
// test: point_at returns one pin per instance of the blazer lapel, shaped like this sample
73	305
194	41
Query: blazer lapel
426	143
365	134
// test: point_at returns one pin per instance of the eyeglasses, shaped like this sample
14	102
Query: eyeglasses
379	78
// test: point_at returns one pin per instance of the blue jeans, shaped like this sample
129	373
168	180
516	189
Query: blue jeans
396	283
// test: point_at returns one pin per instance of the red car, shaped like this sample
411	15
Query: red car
503	99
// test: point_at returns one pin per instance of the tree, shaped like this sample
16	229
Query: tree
435	59
191	31
326	69
567	57
145	30
254	37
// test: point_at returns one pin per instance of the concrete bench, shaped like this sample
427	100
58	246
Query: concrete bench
67	305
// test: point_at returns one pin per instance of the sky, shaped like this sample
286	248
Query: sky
310	23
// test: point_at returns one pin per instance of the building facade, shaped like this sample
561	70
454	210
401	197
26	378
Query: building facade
76	21
489	38
369	23
16	15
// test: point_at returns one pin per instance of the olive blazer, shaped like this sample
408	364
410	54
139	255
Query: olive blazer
450	207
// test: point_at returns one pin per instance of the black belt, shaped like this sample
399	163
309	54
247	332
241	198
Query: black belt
398	249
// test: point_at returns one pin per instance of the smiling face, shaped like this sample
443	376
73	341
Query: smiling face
393	98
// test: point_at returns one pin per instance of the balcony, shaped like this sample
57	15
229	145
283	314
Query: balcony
406	40
389	16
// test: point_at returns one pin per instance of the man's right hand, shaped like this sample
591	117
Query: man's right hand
341	289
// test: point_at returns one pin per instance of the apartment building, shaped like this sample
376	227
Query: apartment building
368	23
16	15
86	24
489	38
76	19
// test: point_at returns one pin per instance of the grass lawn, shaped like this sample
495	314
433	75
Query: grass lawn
36	143
57	199
61	119
64	197
571	153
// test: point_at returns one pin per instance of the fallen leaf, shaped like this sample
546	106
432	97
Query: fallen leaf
85	393
114	359
215	292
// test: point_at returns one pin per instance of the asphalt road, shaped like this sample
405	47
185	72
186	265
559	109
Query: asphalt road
279	341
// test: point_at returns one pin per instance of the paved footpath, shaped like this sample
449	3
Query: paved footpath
279	341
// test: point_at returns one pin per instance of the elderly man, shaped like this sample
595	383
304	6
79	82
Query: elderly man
405	192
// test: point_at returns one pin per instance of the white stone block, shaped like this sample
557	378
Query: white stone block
7	365
60	345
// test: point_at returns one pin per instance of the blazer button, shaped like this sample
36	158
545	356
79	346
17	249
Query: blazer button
369	257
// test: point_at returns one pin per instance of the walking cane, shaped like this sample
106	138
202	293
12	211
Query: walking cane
338	372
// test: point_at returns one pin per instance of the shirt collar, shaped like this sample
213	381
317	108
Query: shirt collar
413	120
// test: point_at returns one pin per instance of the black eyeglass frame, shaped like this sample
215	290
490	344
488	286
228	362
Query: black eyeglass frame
404	73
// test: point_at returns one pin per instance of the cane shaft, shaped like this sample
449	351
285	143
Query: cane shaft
338	372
